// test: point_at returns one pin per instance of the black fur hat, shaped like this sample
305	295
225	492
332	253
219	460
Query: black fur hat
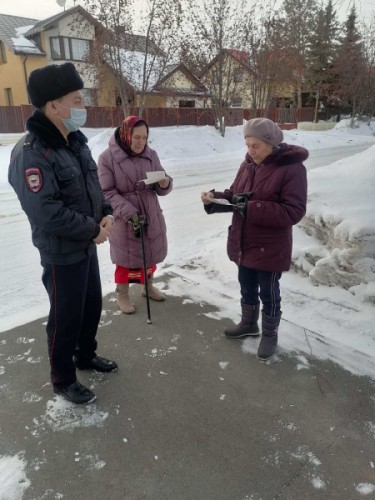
51	82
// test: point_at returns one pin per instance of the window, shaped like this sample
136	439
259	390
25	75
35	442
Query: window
74	49
186	104
89	97
238	75
80	49
55	48
9	97
216	77
66	48
236	102
3	56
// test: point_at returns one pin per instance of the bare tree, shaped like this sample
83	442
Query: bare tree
161	30
269	60
131	57
215	28
108	53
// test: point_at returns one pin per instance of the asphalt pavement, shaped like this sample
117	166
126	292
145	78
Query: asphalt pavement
188	415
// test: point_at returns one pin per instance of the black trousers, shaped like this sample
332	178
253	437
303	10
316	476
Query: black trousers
263	285
75	297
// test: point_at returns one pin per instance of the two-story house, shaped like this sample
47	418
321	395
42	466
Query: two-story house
27	44
112	64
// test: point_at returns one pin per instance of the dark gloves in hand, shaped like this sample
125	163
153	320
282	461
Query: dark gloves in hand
135	221
240	201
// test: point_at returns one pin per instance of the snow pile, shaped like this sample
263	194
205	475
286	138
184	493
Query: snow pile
360	127
13	478
340	216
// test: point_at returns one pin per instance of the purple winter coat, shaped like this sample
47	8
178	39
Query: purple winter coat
120	177
262	239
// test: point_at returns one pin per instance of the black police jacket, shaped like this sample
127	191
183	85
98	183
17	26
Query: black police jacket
57	184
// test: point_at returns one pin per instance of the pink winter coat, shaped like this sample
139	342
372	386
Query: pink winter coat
262	239
120	177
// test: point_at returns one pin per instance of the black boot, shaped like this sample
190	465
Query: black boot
76	393
97	363
248	324
268	343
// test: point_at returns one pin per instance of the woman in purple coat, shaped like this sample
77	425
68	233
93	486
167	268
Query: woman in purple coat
122	168
267	197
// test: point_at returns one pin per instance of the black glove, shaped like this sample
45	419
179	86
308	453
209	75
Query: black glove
135	221
240	201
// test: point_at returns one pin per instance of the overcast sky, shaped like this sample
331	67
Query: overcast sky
41	9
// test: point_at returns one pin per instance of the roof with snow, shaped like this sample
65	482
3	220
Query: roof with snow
12	33
131	65
139	43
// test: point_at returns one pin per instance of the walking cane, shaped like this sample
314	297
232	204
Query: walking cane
142	223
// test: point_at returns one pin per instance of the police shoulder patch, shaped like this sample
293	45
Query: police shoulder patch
34	179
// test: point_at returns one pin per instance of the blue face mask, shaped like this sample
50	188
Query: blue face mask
77	119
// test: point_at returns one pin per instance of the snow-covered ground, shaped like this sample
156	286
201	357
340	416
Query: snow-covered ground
331	289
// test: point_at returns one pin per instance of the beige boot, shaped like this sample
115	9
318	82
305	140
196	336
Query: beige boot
123	299
153	292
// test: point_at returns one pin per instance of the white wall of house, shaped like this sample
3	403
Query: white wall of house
76	32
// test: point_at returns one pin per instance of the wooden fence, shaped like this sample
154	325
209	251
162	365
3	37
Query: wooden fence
13	118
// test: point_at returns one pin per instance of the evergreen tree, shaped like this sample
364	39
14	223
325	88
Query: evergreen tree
298	27
323	47
323	44
347	70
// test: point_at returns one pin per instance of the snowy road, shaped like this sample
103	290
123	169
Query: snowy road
321	157
200	172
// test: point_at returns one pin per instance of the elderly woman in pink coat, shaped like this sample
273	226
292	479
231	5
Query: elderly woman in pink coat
123	166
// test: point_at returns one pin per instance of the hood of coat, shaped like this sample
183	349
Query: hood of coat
46	132
286	154
119	154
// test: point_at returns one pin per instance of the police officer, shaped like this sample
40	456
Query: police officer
56	181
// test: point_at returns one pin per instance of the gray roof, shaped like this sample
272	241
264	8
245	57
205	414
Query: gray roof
9	26
52	21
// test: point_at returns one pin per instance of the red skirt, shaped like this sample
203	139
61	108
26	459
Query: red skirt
125	275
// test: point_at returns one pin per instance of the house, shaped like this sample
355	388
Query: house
27	44
134	65
114	65
128	65
18	57
179	88
229	77
232	77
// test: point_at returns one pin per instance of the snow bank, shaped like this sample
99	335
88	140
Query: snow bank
340	215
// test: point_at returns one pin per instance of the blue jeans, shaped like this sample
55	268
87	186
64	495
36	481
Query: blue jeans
263	285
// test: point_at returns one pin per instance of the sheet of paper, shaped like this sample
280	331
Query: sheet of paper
222	201
153	177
